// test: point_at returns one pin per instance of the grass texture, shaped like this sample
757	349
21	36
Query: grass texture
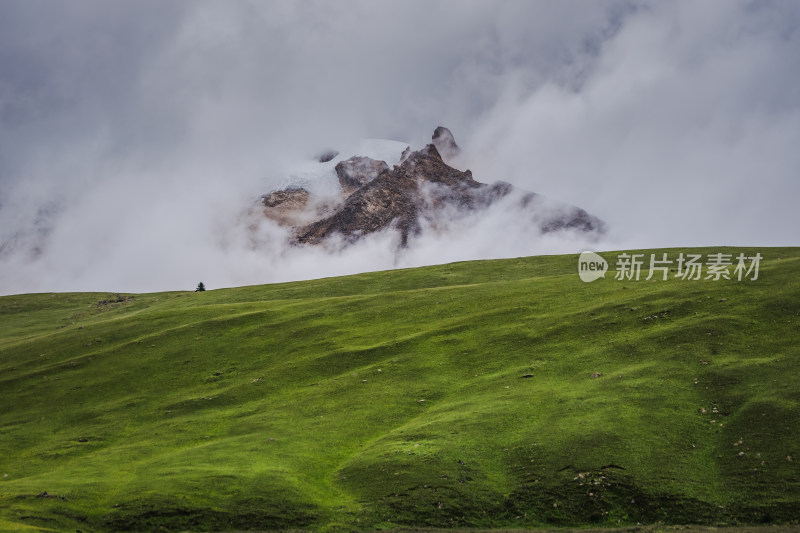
485	394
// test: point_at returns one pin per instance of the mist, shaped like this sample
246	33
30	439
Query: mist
134	137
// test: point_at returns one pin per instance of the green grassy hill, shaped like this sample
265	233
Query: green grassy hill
482	394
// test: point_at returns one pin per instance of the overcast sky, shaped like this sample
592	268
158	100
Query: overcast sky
133	134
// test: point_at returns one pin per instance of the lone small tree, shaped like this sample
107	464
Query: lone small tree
200	287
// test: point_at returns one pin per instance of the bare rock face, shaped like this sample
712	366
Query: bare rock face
386	200
404	155
358	171
445	143
565	217
286	198
286	207
421	188
395	198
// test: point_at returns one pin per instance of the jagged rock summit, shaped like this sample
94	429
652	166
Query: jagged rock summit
421	192
445	143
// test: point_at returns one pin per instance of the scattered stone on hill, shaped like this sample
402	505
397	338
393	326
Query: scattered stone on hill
445	143
596	375
421	191
358	171
527	376
115	299
46	495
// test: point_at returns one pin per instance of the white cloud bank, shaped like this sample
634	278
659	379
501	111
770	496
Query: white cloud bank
132	135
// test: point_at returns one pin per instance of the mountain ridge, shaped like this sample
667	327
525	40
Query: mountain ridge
421	190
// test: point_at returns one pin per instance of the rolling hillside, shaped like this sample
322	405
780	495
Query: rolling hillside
502	394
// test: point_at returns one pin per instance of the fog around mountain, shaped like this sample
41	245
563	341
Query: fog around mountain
133	136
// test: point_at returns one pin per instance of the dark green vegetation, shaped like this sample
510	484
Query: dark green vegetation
452	396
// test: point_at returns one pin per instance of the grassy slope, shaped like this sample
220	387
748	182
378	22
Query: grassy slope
301	404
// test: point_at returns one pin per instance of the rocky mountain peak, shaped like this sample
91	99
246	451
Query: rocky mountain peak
427	165
445	142
419	191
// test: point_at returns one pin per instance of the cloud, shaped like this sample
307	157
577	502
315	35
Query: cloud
680	135
133	135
